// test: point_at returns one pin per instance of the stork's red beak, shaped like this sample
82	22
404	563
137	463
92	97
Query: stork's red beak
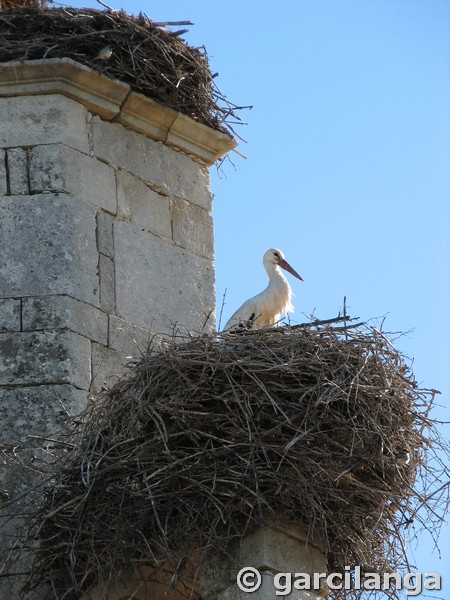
287	267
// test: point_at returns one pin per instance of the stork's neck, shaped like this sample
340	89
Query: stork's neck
276	277
278	290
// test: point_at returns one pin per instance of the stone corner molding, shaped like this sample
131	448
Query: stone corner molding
113	100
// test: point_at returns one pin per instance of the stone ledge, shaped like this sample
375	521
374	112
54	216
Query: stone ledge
67	77
113	100
196	139
154	123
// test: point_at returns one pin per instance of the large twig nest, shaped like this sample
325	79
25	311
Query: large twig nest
151	59
319	425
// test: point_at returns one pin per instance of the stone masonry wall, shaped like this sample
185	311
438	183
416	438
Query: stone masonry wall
106	239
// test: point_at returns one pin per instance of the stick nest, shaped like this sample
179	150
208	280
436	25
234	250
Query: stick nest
152	60
203	441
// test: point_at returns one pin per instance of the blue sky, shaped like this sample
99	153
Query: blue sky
348	148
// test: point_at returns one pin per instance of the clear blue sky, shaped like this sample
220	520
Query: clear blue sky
348	149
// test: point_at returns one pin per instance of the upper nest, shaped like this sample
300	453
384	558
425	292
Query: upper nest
151	59
317	425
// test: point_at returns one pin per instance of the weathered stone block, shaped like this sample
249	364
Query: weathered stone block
59	168
48	247
105	243
17	162
3	180
160	286
45	357
269	551
10	314
108	366
46	119
37	411
159	165
139	204
130	340
42	313
193	228
107	291
279	553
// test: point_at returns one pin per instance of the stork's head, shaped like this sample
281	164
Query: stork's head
276	257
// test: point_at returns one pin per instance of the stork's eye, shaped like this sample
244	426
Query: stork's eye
276	254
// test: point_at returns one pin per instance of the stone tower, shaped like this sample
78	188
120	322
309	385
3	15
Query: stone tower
106	240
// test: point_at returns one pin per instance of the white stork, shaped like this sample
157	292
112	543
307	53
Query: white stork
265	309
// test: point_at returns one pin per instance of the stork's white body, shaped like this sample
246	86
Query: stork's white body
266	309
